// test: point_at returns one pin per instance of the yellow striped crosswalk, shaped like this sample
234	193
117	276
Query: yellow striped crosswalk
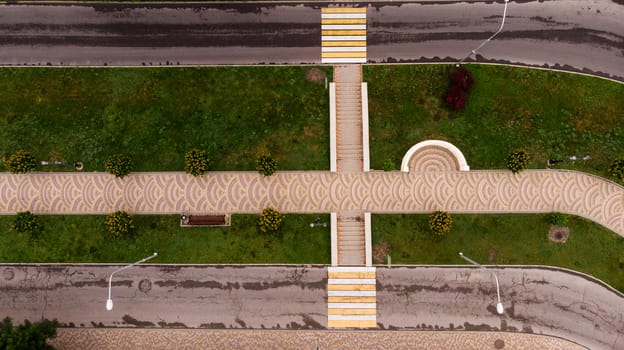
343	35
351	297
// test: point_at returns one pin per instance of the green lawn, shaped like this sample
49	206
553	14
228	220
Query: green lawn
518	239
85	239
551	114
156	115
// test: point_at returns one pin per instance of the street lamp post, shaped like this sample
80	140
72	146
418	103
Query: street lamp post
499	305
109	301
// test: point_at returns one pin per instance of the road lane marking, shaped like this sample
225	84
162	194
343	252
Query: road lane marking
343	43
343	35
343	20
351	287
343	10
352	311
360	275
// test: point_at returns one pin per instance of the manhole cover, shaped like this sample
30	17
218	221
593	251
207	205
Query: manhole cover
499	344
8	274
145	285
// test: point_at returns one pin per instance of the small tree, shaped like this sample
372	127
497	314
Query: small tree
28	335
27	222
119	165
518	160
270	220
266	165
616	169
120	224
196	162
558	219
440	222
21	162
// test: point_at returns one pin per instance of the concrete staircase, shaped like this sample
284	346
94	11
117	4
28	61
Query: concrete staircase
351	242
349	151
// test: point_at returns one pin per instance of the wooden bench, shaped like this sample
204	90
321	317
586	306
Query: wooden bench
205	220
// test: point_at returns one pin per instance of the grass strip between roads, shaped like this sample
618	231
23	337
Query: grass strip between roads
156	115
550	114
84	238
509	239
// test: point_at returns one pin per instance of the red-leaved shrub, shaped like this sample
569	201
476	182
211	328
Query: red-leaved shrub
455	98
461	83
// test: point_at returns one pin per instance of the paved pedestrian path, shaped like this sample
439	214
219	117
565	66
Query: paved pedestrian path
351	297
121	339
537	191
343	31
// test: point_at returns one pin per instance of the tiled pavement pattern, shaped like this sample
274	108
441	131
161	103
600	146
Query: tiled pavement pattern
351	297
182	339
349	158
318	191
343	31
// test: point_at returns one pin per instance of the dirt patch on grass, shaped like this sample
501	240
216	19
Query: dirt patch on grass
380	251
315	75
558	234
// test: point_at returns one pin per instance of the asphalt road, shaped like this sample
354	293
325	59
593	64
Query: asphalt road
580	35
294	297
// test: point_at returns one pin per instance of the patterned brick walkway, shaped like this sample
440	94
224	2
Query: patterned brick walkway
318	191
121	339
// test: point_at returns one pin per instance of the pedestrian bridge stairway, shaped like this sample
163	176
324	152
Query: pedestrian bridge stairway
351	297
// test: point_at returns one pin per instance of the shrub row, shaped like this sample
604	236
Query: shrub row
196	163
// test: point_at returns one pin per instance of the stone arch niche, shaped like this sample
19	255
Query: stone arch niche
434	155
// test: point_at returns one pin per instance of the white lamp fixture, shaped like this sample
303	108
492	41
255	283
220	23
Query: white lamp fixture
109	301
499	305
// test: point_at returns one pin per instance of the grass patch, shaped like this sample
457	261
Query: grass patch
85	239
520	239
156	115
550	114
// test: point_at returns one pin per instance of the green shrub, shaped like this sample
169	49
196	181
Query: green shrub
270	220
21	162
558	219
27	335
388	165
440	222
119	165
518	160
196	162
27	222
616	169
120	224
266	165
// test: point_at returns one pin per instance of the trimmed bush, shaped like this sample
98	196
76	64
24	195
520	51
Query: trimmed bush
266	165
518	160
21	162
558	219
388	165
196	162
440	222
119	165
26	222
270	220
120	224
616	169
